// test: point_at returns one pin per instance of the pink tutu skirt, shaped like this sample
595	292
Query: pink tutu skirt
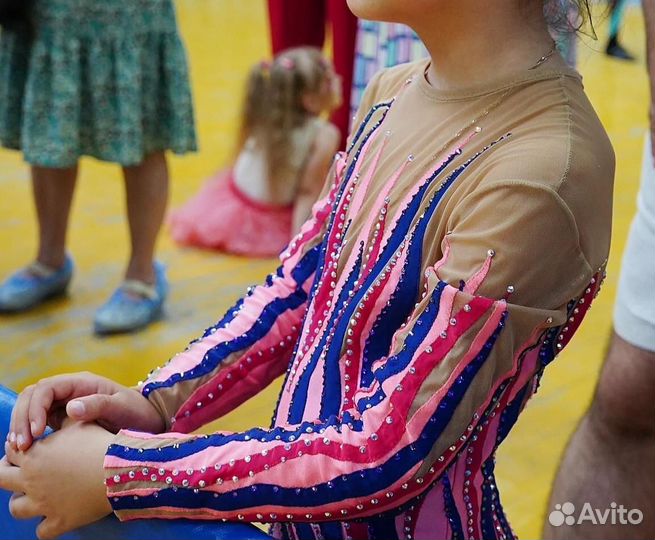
223	218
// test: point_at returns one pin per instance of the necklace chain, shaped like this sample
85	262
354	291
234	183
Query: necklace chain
545	56
490	108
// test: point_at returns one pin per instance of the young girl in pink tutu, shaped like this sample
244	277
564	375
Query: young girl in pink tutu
285	149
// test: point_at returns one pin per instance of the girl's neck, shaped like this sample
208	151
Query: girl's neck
483	42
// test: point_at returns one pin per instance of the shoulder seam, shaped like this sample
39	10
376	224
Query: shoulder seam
558	199
569	158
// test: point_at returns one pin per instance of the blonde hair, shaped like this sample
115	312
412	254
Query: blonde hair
273	105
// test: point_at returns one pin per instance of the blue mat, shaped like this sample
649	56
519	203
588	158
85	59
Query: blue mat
110	528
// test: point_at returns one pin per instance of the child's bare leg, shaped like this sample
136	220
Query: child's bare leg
146	187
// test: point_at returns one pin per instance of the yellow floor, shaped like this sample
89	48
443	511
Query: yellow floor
224	38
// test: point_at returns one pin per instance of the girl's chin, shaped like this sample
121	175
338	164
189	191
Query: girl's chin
379	10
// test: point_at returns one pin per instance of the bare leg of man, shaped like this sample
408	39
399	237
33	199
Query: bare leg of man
611	456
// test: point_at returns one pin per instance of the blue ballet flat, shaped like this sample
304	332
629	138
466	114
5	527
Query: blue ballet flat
133	306
30	286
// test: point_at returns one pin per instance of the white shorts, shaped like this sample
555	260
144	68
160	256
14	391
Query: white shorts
634	311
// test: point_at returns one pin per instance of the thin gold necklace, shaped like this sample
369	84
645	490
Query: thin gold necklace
545	56
490	108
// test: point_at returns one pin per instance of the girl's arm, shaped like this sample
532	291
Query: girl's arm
475	343
252	344
316	167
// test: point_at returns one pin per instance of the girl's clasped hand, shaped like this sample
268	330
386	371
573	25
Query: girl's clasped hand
86	410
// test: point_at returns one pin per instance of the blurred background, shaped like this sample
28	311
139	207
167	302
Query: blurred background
224	38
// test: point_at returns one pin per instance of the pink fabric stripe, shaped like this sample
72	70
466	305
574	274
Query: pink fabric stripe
473	284
349	453
432	521
272	352
251	310
442	346
315	392
457	479
444	257
256	378
404	203
373	306
413	513
475	484
362	188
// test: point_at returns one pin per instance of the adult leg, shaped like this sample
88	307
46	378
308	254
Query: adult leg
51	272
611	456
140	299
53	195
146	188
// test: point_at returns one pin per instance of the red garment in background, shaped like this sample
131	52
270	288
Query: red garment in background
302	22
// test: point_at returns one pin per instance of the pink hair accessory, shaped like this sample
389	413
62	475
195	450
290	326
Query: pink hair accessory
287	63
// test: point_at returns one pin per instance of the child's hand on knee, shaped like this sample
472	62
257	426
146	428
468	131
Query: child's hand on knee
60	479
80	396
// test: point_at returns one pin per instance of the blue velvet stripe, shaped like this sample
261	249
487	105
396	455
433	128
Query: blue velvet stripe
395	239
331	530
260	328
511	413
486	513
299	400
451	510
344	182
297	406
331	399
400	305
364	123
357	484
424	323
304	531
229	316
404	297
382	528
500	514
398	362
377	347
